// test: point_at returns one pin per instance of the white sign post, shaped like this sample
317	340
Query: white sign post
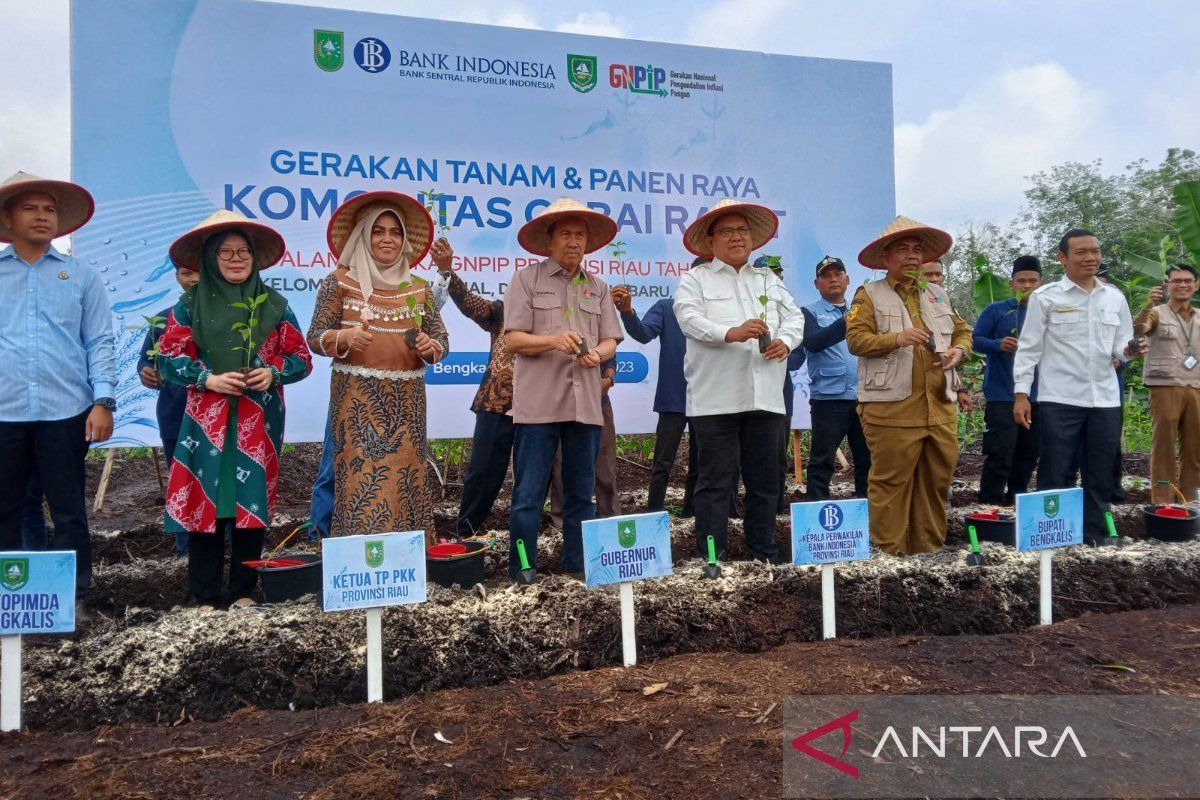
371	572
827	533
622	550
37	595
1046	520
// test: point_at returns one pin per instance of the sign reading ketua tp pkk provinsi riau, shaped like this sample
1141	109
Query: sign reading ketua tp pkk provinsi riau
628	548
37	592
826	532
1049	519
383	569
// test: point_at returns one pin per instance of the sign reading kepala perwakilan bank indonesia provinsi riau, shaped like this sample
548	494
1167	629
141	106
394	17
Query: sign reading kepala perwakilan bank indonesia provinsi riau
383	569
37	592
1052	518
628	548
826	532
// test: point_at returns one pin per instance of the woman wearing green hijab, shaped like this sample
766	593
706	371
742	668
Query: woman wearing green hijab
234	343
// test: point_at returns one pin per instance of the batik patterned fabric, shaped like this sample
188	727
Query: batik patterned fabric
192	488
377	406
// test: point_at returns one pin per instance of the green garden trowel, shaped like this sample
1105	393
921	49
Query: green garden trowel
974	558
712	569
528	575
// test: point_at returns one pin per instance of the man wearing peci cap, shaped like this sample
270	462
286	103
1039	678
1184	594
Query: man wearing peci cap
833	382
909	341
1010	451
58	370
560	324
741	324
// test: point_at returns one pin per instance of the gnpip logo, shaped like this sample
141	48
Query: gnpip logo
830	517
642	80
372	55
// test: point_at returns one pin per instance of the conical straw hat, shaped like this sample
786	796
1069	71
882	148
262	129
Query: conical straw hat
763	224
75	203
187	251
534	235
937	242
418	225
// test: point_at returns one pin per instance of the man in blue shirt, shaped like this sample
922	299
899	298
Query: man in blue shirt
1010	451
172	398
833	376
58	371
670	396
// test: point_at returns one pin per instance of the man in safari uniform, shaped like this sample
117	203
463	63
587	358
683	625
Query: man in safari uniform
909	341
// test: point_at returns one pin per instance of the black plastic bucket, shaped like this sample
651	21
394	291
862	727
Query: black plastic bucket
992	529
464	569
1170	528
289	583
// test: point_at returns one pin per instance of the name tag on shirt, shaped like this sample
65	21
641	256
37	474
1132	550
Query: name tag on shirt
1065	309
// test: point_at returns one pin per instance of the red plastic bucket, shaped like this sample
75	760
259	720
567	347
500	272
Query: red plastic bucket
275	563
446	550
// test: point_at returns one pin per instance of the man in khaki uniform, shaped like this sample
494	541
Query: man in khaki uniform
909	341
1172	373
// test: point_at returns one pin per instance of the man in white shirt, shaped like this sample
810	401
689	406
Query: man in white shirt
1075	330
741	323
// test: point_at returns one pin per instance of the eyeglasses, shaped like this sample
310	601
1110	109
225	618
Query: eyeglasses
241	254
1182	281
741	230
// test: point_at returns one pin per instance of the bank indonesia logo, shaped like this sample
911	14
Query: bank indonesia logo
581	72
14	573
328	50
372	55
830	517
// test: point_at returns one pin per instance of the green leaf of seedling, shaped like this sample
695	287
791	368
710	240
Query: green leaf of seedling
237	326
566	313
762	299
412	302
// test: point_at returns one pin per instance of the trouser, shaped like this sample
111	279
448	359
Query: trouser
729	442
320	511
181	538
667	437
833	421
607	504
33	516
206	560
491	450
1099	431
1010	453
785	434
1174	417
909	485
534	446
55	451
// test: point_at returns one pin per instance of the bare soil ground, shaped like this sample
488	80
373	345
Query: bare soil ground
157	699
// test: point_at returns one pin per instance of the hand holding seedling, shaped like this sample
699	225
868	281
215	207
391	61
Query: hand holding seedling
357	339
231	383
443	254
1022	412
1009	344
99	424
951	358
427	348
750	329
150	377
1155	296
776	351
567	342
1136	348
912	337
259	380
622	300
590	359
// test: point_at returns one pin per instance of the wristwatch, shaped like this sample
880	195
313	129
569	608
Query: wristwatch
106	402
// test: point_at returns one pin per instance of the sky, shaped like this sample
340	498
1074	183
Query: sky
986	92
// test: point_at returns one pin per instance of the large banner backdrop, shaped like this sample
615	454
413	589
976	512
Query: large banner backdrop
281	112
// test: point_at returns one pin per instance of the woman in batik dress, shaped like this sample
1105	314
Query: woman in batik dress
378	323
223	479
